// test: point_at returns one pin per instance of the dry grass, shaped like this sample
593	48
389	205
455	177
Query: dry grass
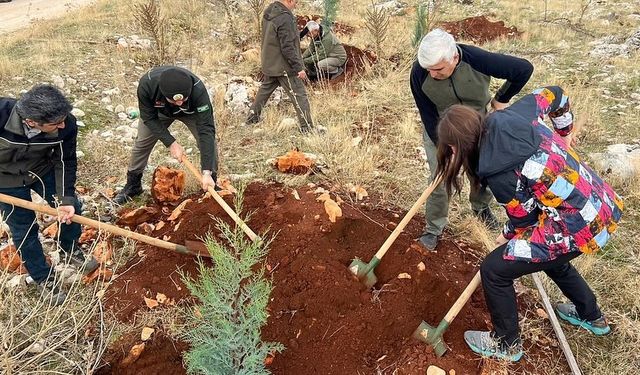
378	108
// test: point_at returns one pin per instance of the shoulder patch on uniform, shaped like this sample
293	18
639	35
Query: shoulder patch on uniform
203	108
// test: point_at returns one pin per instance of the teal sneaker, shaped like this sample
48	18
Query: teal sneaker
483	343
567	311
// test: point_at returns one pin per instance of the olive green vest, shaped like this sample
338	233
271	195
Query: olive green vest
465	86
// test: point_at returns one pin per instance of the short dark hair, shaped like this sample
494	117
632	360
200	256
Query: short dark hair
43	104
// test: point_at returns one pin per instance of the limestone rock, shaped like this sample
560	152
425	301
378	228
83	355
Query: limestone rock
621	160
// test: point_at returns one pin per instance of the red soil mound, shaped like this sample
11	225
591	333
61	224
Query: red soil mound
479	29
329	322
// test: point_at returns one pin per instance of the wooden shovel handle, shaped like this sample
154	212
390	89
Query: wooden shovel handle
405	220
464	297
45	209
251	234
557	328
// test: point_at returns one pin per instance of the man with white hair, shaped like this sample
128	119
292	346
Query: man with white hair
325	56
448	73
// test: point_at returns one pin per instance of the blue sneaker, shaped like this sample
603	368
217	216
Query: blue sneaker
567	311
483	343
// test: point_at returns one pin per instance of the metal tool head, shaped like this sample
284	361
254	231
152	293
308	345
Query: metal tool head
364	272
430	335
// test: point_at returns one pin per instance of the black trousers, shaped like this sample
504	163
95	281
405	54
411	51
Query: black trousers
497	280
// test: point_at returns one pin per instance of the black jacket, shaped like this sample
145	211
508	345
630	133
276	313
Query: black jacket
153	104
469	84
23	160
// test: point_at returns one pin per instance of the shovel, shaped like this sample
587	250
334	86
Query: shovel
364	271
251	234
433	335
45	209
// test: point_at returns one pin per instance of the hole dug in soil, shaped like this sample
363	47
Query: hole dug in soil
328	321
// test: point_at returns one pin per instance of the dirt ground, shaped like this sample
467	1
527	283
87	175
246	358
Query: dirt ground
328	321
479	29
20	13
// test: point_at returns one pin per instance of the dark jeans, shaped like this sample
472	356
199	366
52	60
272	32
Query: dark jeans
24	227
497	280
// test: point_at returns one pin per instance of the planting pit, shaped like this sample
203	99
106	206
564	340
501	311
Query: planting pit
328	321
479	29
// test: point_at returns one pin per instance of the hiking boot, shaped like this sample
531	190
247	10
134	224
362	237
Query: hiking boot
568	312
84	265
49	289
336	74
252	119
483	343
429	241
486	216
131	189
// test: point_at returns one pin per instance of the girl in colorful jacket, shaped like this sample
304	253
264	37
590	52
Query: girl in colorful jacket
558	207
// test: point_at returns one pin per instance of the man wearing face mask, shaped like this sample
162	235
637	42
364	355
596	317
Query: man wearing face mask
38	136
448	73
166	94
325	56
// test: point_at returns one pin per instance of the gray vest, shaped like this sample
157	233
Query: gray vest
465	86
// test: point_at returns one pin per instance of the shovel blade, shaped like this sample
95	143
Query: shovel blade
197	248
359	268
430	335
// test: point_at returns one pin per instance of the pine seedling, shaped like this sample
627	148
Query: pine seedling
377	22
233	295
420	24
330	12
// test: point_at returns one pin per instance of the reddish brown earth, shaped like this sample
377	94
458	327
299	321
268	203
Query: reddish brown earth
160	356
329	322
479	29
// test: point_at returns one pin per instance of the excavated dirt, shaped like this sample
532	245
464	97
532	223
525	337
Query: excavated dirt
160	356
329	322
479	29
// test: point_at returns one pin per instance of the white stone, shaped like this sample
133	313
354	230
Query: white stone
77	112
287	123
79	154
395	7
621	160
633	41
80	124
237	97
106	100
58	81
71	81
610	50
119	108
109	108
435	370
106	134
122	116
111	92
17	281
36	348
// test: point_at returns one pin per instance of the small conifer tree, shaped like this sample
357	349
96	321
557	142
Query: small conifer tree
420	25
233	295
330	12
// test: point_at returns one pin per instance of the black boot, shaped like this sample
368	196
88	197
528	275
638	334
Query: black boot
132	189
